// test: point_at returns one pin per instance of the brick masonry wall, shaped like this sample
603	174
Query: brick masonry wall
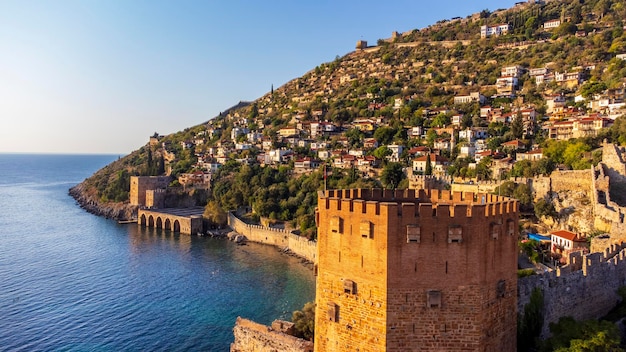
389	309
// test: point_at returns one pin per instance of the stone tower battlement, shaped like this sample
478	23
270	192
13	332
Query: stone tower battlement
419	203
423	270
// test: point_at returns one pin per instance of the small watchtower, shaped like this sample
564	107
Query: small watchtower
416	270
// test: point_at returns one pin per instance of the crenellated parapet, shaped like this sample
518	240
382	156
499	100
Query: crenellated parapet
417	203
584	289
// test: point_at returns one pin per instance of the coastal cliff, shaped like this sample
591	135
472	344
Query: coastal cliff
106	192
90	202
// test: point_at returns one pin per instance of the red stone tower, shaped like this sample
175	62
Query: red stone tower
411	270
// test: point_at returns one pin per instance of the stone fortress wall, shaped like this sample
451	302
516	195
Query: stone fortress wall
611	172
254	337
558	181
587	287
298	245
584	289
140	184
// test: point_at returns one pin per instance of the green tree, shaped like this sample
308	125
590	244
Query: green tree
570	335
530	322
304	321
545	208
384	135
592	87
214	213
483	169
428	169
355	137
441	120
392	175
382	152
573	156
431	136
517	126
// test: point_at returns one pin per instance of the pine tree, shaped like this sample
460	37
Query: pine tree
428	170
517	126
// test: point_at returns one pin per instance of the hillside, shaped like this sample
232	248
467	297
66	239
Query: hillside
515	92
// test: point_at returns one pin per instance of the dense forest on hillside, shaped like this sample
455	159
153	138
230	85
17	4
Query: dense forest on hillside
406	82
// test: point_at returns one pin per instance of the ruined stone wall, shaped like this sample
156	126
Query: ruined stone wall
613	158
425	182
571	180
416	270
478	187
254	337
586	289
298	245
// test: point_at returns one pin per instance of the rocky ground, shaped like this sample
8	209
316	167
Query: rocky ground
575	212
90	202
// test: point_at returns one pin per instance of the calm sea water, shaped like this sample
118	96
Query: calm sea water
72	281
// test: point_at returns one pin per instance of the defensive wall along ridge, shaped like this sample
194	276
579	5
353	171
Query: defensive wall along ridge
298	245
609	175
558	181
585	289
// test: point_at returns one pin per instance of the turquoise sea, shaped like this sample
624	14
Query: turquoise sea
72	281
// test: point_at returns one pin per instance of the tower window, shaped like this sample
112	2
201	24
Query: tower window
433	299
349	286
455	234
510	227
366	229
333	312
336	224
501	289
494	229
413	234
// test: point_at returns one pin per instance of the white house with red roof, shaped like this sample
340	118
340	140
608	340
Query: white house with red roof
532	155
515	144
437	162
565	242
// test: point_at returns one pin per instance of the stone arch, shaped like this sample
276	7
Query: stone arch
168	224
176	226
159	223
150	221
142	220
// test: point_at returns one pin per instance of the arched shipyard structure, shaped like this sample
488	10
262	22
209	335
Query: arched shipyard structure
183	220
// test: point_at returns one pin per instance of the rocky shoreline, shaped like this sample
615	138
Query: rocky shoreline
91	204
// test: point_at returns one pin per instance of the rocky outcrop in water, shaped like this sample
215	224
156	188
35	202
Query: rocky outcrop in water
90	202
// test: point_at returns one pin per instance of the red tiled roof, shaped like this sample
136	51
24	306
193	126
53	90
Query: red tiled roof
566	235
515	142
433	157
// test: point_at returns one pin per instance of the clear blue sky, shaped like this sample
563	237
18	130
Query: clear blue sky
101	76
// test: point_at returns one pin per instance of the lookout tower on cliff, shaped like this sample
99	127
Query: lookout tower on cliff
416	270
